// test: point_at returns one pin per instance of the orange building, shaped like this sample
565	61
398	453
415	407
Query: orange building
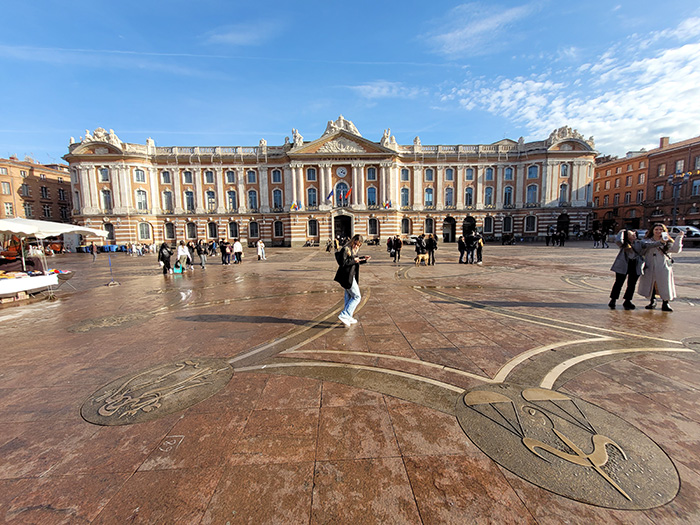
34	191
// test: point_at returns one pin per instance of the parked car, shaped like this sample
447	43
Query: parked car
689	231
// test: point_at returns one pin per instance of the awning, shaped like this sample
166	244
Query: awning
43	229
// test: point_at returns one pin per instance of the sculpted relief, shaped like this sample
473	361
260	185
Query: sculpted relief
341	145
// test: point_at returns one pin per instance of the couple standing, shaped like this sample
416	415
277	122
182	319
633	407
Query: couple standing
650	259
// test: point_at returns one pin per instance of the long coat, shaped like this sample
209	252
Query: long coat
658	269
626	254
348	269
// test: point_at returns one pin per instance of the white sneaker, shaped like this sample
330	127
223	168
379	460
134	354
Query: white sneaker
345	320
352	320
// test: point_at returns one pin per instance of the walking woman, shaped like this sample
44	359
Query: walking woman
658	269
348	275
164	255
628	265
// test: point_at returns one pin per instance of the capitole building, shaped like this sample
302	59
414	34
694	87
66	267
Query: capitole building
339	184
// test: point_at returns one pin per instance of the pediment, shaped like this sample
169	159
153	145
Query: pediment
343	143
97	148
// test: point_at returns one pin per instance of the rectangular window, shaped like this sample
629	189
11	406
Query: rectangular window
404	174
3	171
371	173
449	174
9	211
429	175
61	194
60	180
28	211
617	183
642	164
606	200
46	210
165	177
276	177
640	196
697	162
607	184
662	170
628	180
629	167
564	170
532	172
209	177
251	177
231	176
23	174
607	173
44	192
488	175
695	190
187	177
659	193
508	175
6	188
628	197
310	174
104	175
140	176
24	190
641	178
64	213
469	174
616	199
680	164
618	169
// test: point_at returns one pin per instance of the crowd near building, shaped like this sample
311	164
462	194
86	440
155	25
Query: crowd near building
339	184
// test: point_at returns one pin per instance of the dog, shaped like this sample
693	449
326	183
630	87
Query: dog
422	257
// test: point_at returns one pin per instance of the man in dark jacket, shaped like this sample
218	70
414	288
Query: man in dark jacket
430	247
462	247
470	241
348	275
202	250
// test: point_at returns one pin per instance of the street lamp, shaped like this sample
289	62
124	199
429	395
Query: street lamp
676	181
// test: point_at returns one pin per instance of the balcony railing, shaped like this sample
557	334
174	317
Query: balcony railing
429	207
508	206
408	207
450	207
253	210
277	209
373	206
311	208
532	204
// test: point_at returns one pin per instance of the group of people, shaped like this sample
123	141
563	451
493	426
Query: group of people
470	246
393	246
426	246
231	253
600	239
557	238
648	261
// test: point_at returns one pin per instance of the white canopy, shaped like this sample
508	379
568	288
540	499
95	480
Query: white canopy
43	229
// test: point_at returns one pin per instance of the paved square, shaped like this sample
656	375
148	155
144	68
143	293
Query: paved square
507	392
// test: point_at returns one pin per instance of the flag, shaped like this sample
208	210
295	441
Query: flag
348	193
330	196
294	207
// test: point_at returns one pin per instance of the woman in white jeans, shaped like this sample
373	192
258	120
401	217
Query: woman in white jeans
348	275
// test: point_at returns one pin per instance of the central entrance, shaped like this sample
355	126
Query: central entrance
342	226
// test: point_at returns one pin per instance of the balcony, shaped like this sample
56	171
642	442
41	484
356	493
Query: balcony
169	211
142	211
564	204
489	206
532	204
469	207
429	207
450	207
373	206
253	210
408	207
311	208
232	210
509	206
275	209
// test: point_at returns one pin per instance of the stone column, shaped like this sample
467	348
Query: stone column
356	178
418	188
177	190
290	192
499	187
478	187
324	184
197	178
116	190
220	193
301	180
382	185
242	197
440	188
84	175
155	195
459	197
125	187
264	189
393	185
520	185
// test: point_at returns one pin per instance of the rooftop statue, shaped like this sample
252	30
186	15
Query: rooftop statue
341	123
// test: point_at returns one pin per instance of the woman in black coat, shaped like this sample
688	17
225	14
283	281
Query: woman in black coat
164	254
348	275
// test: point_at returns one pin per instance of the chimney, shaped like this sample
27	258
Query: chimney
663	143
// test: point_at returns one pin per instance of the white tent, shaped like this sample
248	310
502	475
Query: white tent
44	229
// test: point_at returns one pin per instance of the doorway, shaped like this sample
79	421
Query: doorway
449	229
342	226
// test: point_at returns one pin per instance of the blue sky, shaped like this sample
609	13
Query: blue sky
229	73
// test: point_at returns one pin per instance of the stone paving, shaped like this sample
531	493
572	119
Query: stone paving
502	393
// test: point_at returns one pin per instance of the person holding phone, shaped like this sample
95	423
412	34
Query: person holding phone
348	275
658	266
628	265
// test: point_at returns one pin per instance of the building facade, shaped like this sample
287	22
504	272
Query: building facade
338	184
659	185
34	191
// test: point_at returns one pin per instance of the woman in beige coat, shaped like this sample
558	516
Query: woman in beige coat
658	266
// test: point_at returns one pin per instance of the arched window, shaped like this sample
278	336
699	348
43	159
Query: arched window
449	197
488	175
106	200
168	201
278	229
276	176
488	224
277	199
312	229
449	174
231	200
532	172
211	201
212	230
508	224
187	177
191	230
189	201
253	230
563	193
404	197
530	223
141	200
469	197
429	197
508	174
405	226
232	230
531	194
429	226
429	174
252	200
373	227
469	174
209	177
371	196
312	197
144	231
251	177
230	177
169	230
508	196
488	196
341	194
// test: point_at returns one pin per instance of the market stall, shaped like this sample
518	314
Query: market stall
21	275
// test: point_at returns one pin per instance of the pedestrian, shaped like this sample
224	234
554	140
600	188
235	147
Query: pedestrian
93	251
397	245
430	246
420	246
658	266
237	252
260	245
629	265
596	239
390	246
348	275
164	255
462	247
202	250
183	255
191	249
479	247
470	241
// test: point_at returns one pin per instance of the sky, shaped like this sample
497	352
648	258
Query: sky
228	72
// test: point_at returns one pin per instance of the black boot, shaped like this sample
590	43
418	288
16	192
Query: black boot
651	305
611	304
665	307
627	305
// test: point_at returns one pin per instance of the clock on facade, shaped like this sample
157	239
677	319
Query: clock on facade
341	172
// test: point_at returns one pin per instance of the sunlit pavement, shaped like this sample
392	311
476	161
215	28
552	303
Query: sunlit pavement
321	423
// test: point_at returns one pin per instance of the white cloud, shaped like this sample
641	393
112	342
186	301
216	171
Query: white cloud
626	103
476	29
248	34
386	89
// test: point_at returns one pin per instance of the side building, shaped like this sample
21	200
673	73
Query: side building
644	187
34	191
336	185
